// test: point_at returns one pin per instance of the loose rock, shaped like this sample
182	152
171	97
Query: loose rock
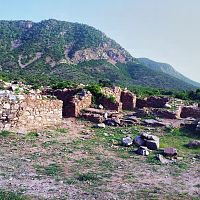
127	141
139	141
142	150
152	144
101	125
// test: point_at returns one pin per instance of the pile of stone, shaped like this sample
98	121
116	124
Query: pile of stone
145	142
168	156
191	124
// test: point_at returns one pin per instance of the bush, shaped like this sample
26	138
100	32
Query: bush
112	98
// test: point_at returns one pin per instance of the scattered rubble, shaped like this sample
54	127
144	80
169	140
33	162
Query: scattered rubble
142	150
194	144
102	125
170	152
127	141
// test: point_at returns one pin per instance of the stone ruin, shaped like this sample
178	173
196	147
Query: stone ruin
46	108
22	113
124	99
74	100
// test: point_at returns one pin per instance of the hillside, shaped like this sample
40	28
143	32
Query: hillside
166	68
51	49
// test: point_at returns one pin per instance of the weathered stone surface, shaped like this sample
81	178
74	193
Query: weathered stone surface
74	100
139	141
28	113
152	144
190	111
113	122
154	123
127	141
170	152
101	125
164	160
142	150
194	144
168	114
153	102
128	100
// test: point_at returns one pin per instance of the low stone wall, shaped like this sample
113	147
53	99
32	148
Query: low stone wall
74	100
128	100
153	102
29	113
81	102
190	111
114	91
168	114
110	105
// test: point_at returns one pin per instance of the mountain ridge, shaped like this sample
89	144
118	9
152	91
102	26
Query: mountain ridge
166	68
72	51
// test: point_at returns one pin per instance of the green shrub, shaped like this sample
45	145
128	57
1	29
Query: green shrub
87	177
5	133
112	98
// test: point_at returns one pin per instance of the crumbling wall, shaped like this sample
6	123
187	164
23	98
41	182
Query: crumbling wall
153	102
190	111
81	102
128	100
74	100
109	104
29	112
114	91
168	114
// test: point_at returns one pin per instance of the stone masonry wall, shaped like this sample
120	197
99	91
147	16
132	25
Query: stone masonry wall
153	102
128	100
114	91
74	100
190	111
29	113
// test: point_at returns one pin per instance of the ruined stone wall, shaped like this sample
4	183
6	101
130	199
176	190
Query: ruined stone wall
190	111
114	91
168	114
29	113
81	102
110	105
128	100
153	102
74	100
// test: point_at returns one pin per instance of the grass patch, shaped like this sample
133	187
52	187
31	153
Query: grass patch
50	170
32	135
49	143
62	130
5	133
178	139
90	176
5	195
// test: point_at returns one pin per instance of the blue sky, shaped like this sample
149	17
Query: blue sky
163	30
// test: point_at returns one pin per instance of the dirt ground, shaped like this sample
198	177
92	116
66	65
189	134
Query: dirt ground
78	162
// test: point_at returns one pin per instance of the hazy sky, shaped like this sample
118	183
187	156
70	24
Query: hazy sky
163	30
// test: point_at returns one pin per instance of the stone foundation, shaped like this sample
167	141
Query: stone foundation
128	100
190	111
74	100
29	113
152	102
168	114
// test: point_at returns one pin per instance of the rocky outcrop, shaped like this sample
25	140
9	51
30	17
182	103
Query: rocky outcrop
101	53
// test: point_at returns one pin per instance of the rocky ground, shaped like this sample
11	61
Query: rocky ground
76	161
